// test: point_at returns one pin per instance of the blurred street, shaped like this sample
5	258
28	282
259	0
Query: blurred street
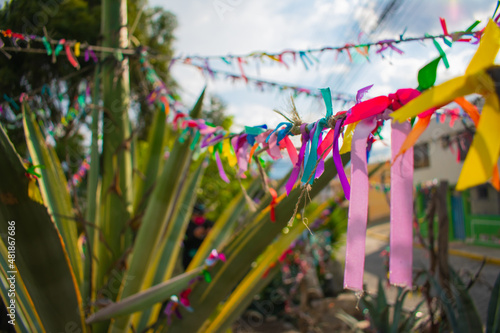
463	258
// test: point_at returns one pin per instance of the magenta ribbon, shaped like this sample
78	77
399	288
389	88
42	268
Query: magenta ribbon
358	209
401	254
367	109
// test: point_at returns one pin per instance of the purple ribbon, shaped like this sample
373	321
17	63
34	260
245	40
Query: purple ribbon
362	92
338	161
388	44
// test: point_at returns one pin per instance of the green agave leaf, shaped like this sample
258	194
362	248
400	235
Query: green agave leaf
223	227
467	312
493	320
242	251
168	252
41	257
53	187
398	309
448	305
255	281
144	299
409	324
158	211
115	207
374	314
383	307
26	317
152	160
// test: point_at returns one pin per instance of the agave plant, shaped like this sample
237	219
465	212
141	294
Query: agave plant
112	267
385	317
125	270
459	308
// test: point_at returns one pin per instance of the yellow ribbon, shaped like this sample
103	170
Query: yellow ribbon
226	152
484	151
346	144
77	49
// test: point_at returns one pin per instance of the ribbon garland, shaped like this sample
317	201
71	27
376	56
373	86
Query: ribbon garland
306	55
80	174
365	117
261	84
175	302
480	163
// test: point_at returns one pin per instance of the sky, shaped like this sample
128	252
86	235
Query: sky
223	27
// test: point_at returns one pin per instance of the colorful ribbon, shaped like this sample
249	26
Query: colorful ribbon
338	161
483	153
222	173
401	242
297	167
358	209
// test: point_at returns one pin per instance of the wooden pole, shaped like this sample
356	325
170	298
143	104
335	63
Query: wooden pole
443	222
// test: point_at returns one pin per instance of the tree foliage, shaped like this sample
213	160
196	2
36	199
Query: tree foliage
54	86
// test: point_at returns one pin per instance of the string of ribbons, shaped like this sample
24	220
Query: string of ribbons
358	126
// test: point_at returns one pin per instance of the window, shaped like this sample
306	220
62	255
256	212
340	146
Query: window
482	192
464	141
421	155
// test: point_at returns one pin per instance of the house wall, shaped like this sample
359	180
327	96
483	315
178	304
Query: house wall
442	161
484	200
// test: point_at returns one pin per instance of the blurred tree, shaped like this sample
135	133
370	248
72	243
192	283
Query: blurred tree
215	113
55	86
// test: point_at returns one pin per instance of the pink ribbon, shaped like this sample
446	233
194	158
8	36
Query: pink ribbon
274	149
241	149
358	209
401	255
